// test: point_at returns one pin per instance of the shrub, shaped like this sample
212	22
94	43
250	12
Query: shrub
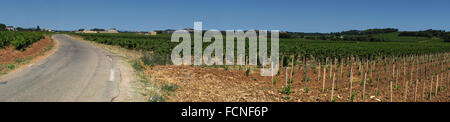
274	81
11	66
247	72
286	90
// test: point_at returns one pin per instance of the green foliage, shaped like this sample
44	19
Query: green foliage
247	72
352	97
427	33
306	89
362	82
136	65
286	90
11	66
159	44
447	37
274	81
169	87
299	47
2	27
20	40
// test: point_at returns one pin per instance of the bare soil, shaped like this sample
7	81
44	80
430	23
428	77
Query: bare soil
209	84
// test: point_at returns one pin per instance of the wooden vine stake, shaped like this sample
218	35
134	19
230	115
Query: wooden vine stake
292	65
404	72
340	73
431	86
332	87
415	91
364	85
331	68
286	72
406	91
351	78
324	75
318	77
371	71
423	89
424	78
437	85
390	82
306	74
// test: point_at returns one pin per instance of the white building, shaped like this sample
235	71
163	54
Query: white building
10	28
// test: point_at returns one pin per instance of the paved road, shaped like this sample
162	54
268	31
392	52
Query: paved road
77	71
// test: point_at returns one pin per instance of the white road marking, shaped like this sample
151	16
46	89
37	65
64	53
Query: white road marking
111	74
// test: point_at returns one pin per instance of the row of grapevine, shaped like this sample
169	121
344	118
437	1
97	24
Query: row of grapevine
299	48
157	44
20	40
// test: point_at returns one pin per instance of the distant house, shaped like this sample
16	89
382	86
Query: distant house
113	30
10	28
86	31
168	31
152	32
49	30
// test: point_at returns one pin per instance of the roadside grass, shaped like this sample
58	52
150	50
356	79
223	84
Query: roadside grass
6	68
150	90
168	88
154	91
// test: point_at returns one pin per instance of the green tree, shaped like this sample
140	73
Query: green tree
2	26
97	29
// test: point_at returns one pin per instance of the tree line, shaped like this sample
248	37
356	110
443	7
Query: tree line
427	33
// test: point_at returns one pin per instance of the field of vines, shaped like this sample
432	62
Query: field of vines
158	44
318	49
412	78
20	40
400	71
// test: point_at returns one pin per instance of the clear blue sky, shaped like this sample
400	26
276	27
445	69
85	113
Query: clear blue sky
289	15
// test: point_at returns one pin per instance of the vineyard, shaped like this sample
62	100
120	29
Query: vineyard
406	78
159	44
20	40
298	47
415	70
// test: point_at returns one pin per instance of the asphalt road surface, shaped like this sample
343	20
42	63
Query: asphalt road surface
77	71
